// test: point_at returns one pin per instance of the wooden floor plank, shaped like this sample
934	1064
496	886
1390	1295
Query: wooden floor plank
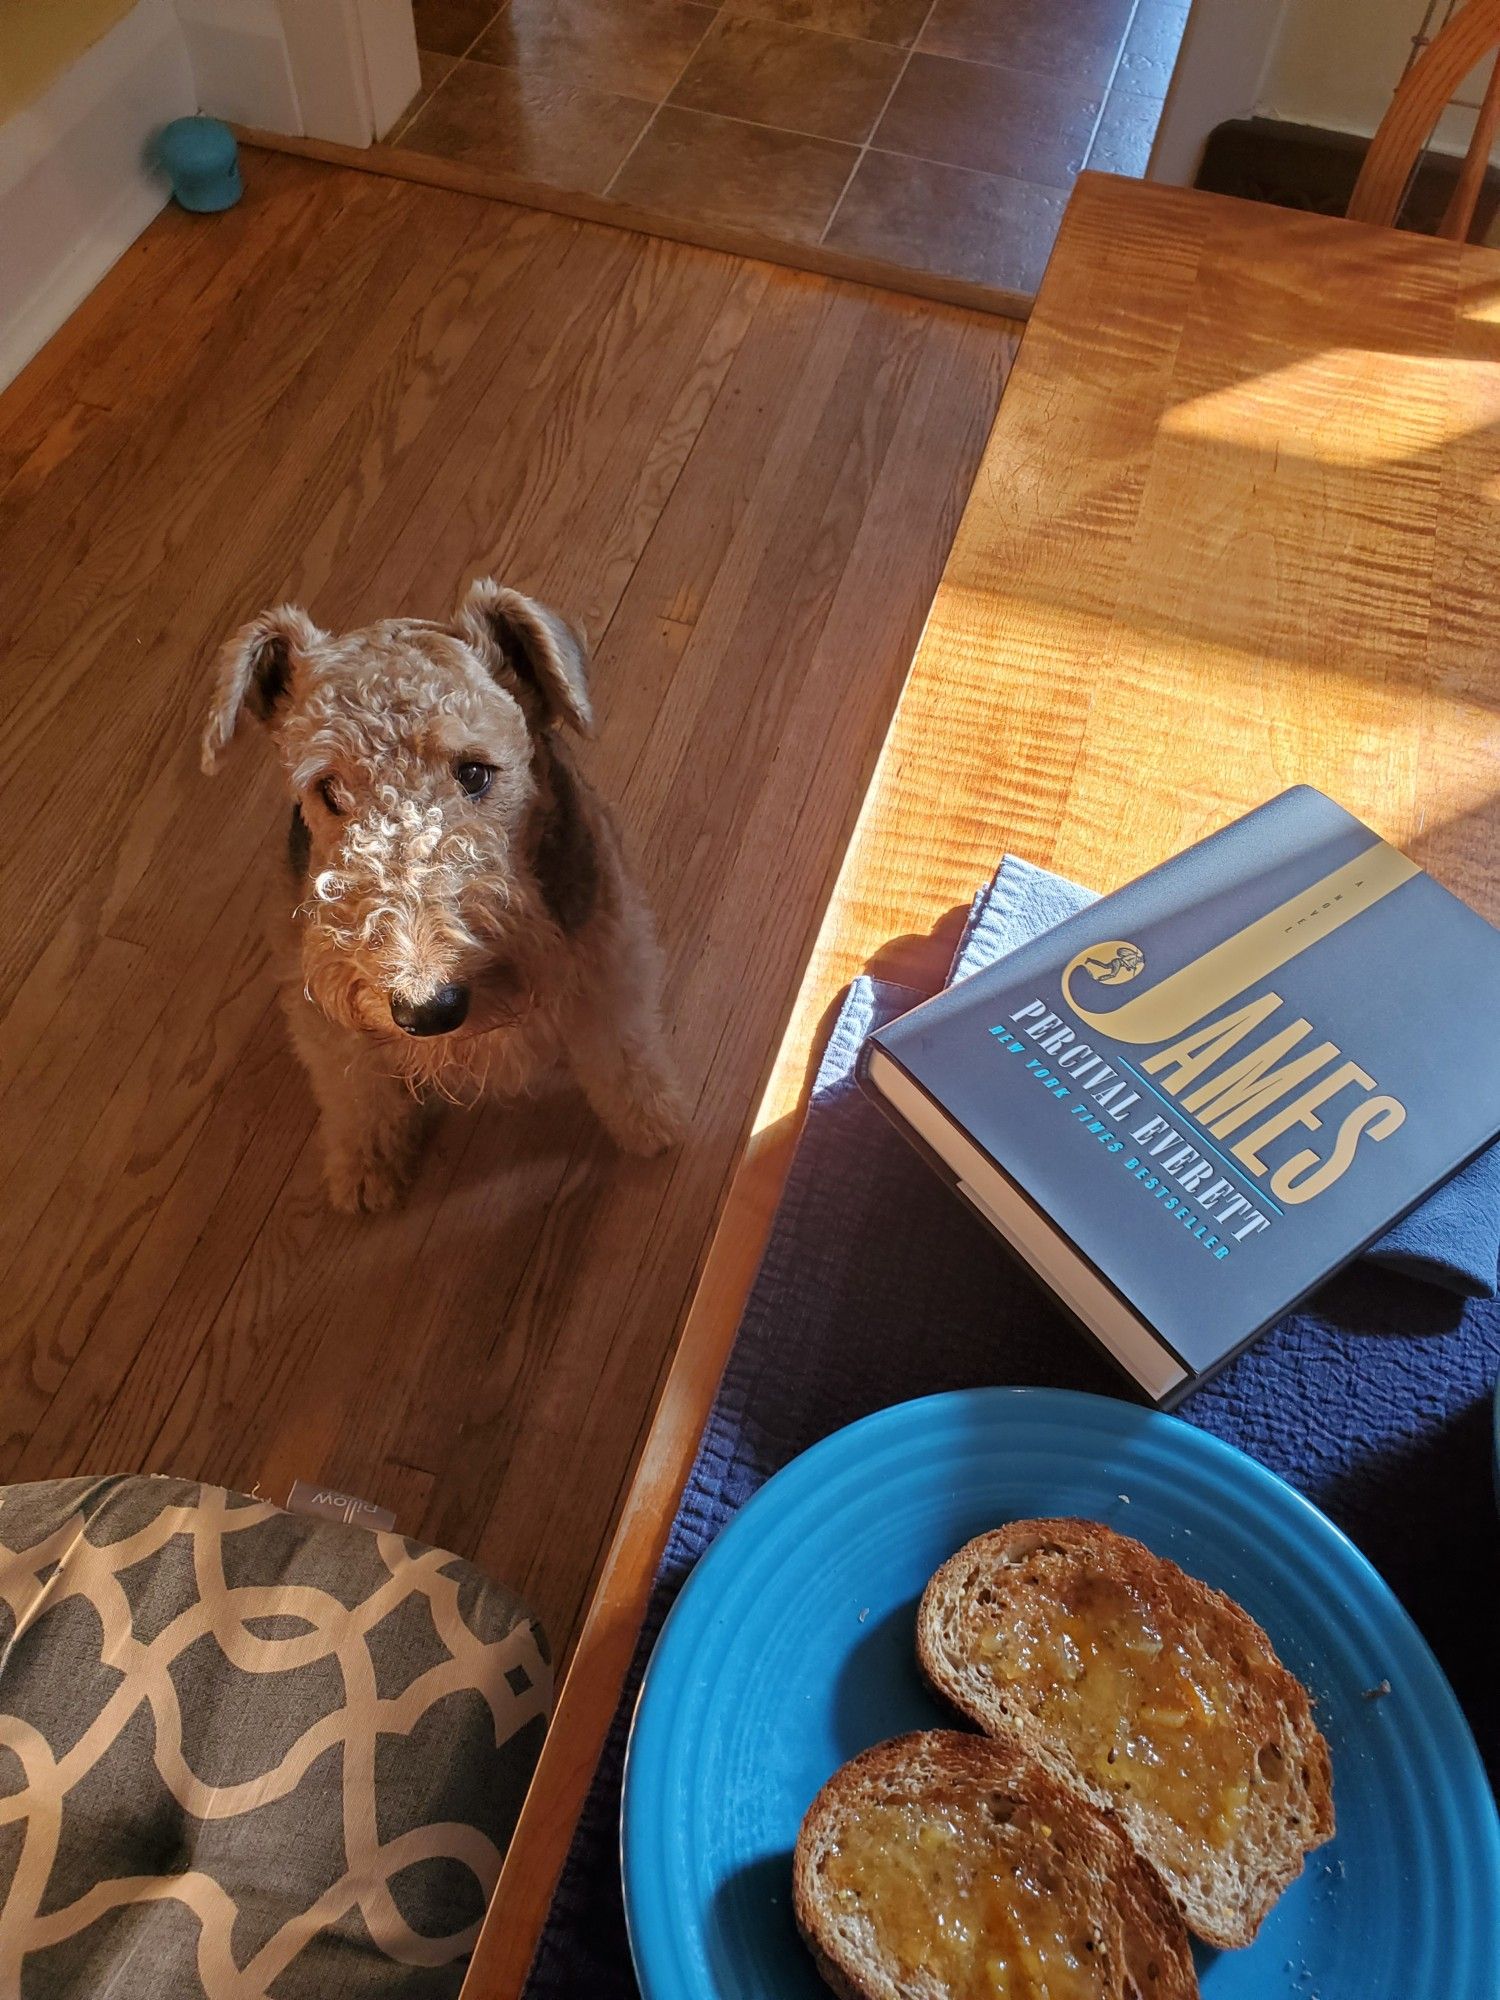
744	481
82	1205
61	551
84	371
180	1267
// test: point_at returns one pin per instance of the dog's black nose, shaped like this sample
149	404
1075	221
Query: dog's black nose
440	1015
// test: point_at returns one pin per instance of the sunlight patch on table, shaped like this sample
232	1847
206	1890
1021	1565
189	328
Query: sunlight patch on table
1349	406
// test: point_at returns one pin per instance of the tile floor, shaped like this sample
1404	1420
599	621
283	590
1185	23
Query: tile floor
940	136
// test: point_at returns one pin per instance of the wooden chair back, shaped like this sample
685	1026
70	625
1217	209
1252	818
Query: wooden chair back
1420	100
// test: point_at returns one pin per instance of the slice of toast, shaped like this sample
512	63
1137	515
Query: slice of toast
1154	1696
942	1866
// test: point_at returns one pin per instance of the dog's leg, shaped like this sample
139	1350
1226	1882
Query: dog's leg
370	1124
619	1051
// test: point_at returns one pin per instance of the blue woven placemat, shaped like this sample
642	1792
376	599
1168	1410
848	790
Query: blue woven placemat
877	1286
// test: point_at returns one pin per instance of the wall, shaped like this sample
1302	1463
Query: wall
1329	63
1335	63
39	39
77	184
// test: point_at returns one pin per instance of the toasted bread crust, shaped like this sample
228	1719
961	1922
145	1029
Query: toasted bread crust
1143	1945
1227	1896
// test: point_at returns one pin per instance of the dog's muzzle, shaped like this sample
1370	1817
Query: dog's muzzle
440	1015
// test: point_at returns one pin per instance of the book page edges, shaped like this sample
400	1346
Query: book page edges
1125	1335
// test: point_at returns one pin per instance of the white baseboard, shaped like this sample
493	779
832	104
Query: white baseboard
77	183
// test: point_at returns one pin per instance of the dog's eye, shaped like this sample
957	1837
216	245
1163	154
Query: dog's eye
476	779
328	793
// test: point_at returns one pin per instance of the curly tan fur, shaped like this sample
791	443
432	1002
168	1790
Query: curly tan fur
402	884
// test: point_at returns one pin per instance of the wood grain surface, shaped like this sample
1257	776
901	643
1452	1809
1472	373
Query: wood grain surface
1235	529
358	393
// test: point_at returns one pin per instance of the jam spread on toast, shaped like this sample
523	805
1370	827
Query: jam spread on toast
952	1894
1146	1712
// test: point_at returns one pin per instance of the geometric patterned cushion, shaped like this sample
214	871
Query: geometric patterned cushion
245	1754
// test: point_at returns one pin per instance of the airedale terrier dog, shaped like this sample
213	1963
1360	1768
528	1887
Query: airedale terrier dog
454	917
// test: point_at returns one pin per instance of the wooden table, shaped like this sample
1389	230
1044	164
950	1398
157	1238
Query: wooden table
1238	525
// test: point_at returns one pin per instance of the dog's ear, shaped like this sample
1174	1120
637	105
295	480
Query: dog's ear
532	652
255	671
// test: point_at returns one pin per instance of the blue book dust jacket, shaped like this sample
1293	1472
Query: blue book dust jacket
1223	1081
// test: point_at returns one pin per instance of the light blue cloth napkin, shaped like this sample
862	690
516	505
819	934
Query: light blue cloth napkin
1452	1239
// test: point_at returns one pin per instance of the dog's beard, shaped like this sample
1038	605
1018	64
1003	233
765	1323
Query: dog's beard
353	989
511	1028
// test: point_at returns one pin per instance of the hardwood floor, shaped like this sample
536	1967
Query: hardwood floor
358	393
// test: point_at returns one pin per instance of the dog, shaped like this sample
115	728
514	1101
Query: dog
454	917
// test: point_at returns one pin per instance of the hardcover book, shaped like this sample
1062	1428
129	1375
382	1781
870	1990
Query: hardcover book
1188	1104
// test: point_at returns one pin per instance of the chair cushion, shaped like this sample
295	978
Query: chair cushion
246	1753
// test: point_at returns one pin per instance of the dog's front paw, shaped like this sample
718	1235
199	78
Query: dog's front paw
362	1186
649	1123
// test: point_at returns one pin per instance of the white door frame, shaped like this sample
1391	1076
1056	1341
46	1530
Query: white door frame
1226	47
324	69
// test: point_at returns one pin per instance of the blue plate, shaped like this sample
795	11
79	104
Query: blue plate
790	1649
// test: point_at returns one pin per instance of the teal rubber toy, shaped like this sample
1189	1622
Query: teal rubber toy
202	159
